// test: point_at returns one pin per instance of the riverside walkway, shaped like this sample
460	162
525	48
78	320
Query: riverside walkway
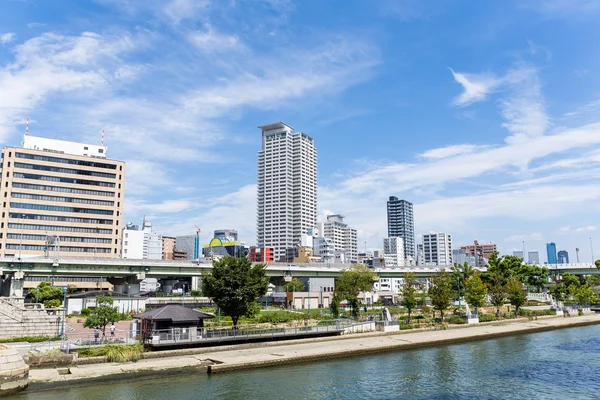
230	358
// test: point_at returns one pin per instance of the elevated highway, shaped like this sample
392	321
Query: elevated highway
131	271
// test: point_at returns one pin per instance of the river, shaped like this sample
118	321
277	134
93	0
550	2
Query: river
561	364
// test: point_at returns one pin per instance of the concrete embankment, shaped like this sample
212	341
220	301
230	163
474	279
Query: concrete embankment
237	358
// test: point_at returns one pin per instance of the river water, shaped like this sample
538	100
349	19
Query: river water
561	364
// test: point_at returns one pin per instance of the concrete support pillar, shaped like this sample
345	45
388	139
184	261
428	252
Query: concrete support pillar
15	284
196	283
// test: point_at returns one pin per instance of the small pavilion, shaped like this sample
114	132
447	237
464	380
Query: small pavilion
172	324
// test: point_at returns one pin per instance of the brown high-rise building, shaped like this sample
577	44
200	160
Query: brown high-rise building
168	245
60	198
480	250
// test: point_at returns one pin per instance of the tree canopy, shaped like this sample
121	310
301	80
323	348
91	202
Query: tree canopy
476	290
585	295
409	293
235	284
352	281
295	285
496	290
515	293
441	291
45	293
102	315
460	274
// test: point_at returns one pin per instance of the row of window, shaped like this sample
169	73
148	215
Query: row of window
45	207
63	199
62	219
66	161
63	180
20	185
62	238
64	170
73	249
59	228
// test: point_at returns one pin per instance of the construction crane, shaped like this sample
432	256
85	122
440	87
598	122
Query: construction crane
198	230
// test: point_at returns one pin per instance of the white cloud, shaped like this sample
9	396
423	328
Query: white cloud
524	238
476	87
451	151
7	37
210	40
567	230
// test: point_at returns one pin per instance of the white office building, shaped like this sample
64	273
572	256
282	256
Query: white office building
287	188
324	248
437	249
344	237
393	250
141	244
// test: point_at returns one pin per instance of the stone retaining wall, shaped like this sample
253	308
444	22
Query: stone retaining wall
14	373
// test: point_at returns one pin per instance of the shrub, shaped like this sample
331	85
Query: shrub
195	293
487	317
52	303
30	339
86	312
456	319
115	353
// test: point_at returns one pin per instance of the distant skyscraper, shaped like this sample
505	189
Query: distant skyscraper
563	257
437	248
344	237
534	257
519	254
287	188
401	223
551	251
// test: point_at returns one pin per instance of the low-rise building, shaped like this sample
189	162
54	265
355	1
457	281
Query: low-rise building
142	244
262	254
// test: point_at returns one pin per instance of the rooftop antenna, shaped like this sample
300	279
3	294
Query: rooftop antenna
27	127
102	137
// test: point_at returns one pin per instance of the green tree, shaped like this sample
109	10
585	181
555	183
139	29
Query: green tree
295	285
536	276
570	280
597	262
335	305
559	292
352	281
409	293
506	267
44	293
235	284
475	291
441	291
593	280
496	290
195	293
460	274
102	315
585	295
516	293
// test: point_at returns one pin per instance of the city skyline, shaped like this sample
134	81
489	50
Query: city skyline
485	128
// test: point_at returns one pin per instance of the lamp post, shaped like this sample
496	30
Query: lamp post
309	297
592	248
62	332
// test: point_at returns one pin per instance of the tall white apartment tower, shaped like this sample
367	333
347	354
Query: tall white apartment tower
437	249
344	237
287	187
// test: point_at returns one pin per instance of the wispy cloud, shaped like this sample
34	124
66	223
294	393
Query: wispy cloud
524	238
210	40
451	151
568	230
7	37
476	87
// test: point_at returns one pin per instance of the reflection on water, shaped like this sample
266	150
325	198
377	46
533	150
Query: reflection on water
560	364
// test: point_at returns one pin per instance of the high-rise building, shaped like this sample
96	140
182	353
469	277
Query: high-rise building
228	235
519	253
481	249
563	257
420	254
437	248
393	247
534	257
168	245
551	252
401	223
287	187
344	237
190	244
462	256
60	199
141	244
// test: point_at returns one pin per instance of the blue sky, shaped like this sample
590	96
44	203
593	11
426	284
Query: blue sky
486	115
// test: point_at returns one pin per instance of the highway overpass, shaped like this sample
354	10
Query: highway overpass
128	271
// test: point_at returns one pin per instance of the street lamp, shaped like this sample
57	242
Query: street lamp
64	290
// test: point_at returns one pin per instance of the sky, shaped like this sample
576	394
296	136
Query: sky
485	115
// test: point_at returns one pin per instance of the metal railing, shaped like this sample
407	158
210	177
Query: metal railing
195	335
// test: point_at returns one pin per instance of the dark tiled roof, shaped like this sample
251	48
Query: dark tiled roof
174	313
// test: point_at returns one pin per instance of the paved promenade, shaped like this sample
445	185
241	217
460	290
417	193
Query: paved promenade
235	358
